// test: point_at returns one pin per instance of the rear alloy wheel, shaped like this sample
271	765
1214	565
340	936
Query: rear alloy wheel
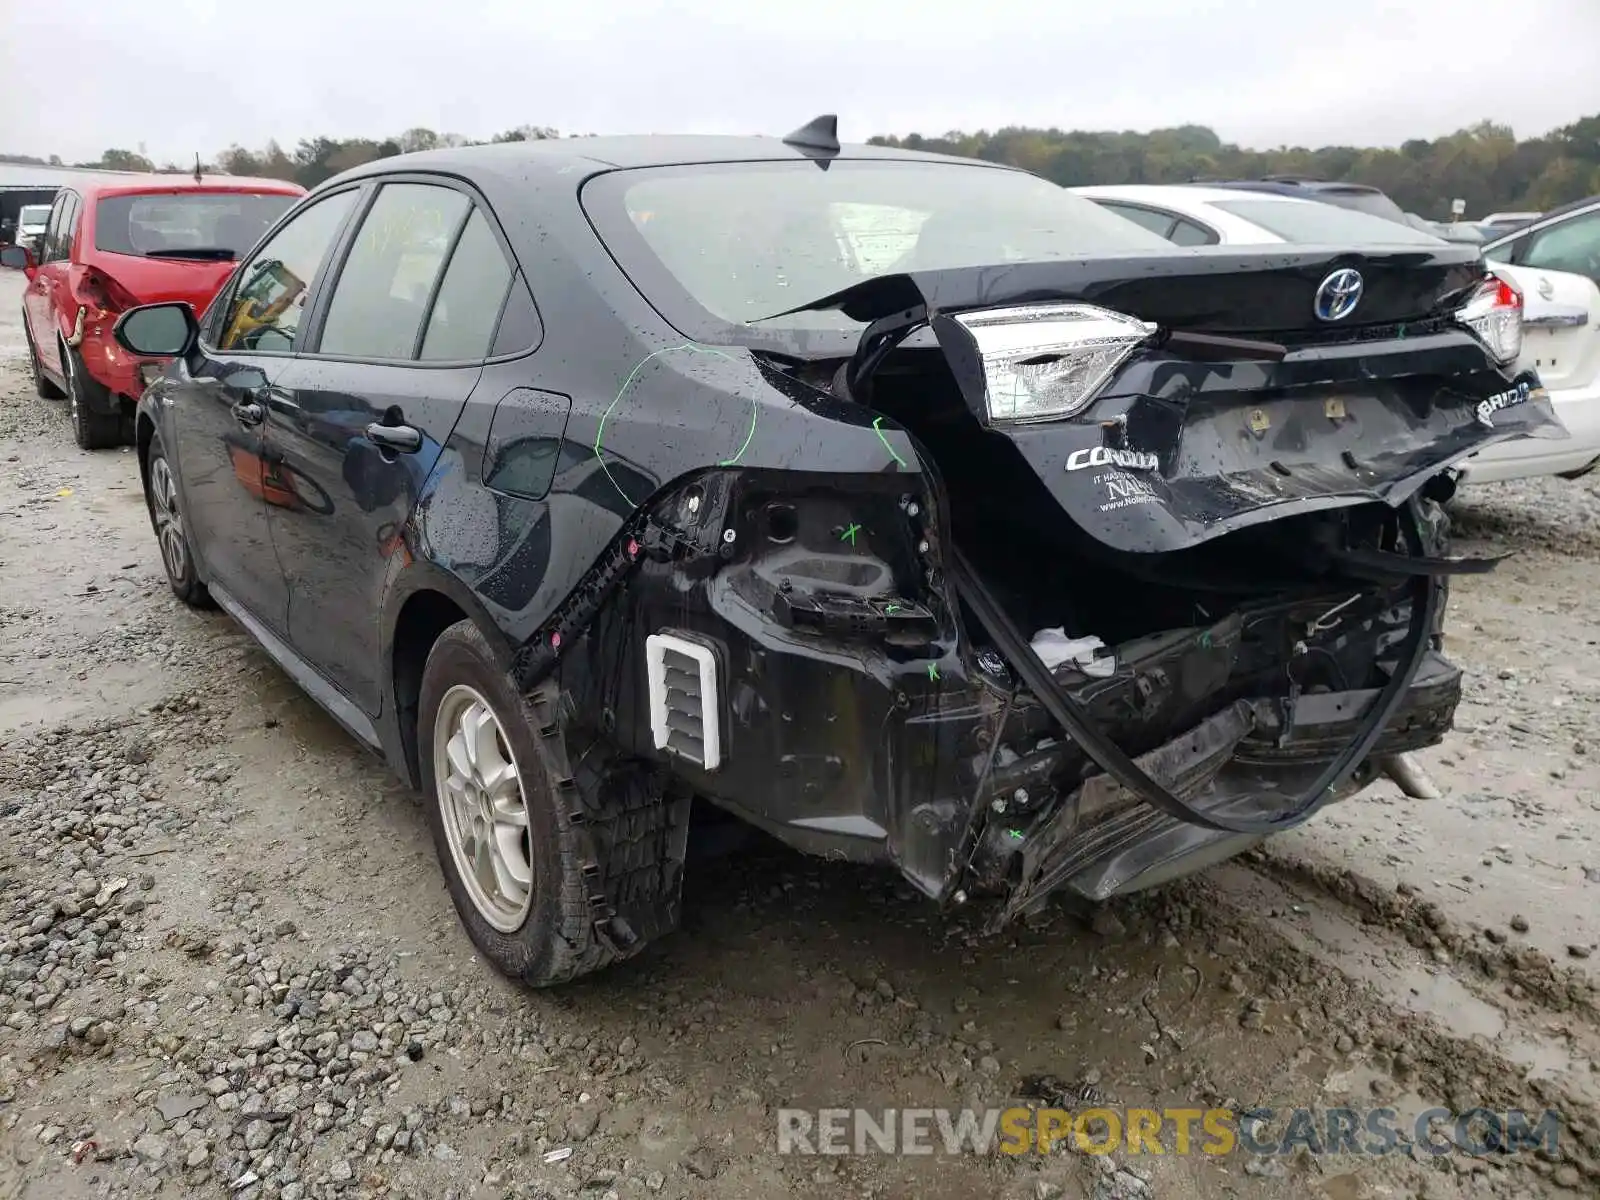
529	845
42	387
482	807
93	428
166	518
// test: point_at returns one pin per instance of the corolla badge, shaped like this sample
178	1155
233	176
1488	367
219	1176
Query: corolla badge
1338	295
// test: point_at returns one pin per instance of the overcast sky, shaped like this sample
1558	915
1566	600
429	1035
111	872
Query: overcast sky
183	76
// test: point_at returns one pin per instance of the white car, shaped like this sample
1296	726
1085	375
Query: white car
31	219
1555	263
1192	214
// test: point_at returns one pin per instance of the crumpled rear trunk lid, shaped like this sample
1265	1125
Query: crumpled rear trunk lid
1248	400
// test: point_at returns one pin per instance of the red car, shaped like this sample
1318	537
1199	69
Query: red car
116	242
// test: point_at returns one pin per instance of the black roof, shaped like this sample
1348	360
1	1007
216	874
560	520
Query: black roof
591	154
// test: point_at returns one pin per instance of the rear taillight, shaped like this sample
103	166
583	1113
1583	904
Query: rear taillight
1494	314
1043	362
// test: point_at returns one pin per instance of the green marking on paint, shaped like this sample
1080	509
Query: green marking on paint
1205	640
933	670
849	535
877	428
754	409
892	609
1016	835
600	430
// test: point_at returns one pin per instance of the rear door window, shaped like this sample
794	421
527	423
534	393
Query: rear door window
389	276
268	302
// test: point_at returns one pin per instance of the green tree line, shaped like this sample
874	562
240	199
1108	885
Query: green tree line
1485	165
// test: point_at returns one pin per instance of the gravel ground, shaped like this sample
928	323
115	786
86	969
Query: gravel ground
228	965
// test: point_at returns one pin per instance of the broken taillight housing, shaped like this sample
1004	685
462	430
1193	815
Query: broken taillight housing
1042	362
1494	314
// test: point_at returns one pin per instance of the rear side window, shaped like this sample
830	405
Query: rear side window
58	235
216	225
268	302
462	323
69	226
519	323
1155	222
1188	233
383	290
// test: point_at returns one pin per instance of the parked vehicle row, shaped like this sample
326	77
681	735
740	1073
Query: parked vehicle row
1554	263
913	510
109	245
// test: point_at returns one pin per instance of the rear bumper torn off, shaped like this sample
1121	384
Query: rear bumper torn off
1240	762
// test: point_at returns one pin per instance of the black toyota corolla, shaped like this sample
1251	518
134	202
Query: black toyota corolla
913	510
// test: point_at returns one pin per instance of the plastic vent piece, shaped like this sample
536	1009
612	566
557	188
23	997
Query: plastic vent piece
684	709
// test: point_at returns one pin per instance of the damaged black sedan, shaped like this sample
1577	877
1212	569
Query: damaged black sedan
915	511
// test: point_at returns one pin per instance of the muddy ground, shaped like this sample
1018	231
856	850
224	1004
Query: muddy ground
228	964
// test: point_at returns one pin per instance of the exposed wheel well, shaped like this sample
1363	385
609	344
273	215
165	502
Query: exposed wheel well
422	619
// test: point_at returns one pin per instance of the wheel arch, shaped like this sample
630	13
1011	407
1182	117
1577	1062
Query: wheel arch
426	601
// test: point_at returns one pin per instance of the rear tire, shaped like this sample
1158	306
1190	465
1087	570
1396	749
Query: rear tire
42	387
563	871
92	427
172	534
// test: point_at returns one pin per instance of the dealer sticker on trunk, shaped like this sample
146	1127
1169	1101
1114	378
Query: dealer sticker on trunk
1124	491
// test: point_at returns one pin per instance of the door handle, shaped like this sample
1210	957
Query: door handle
248	413
402	439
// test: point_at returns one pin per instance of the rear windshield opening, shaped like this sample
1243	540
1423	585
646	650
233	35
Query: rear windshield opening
728	244
1313	222
159	224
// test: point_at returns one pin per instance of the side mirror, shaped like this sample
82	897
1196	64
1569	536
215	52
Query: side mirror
157	330
19	258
